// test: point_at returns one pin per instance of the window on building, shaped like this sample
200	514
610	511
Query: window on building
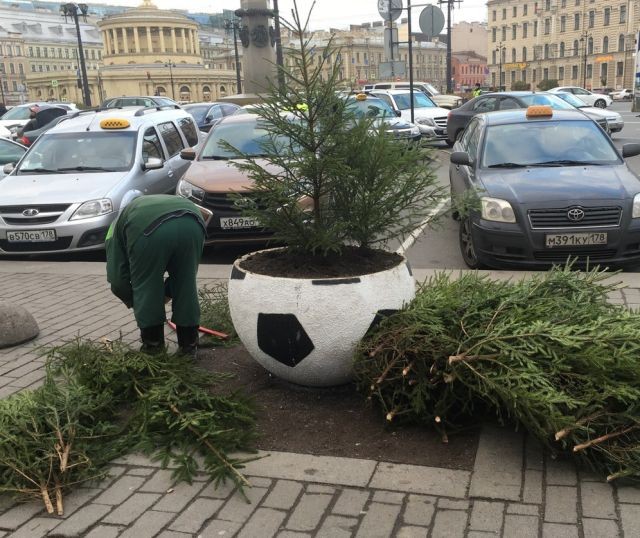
621	43
589	71
607	16
576	21
504	13
493	15
547	26
592	18
493	35
31	52
513	77
619	69
534	75
562	49
504	33
525	29
38	52
525	9
563	23
33	68
12	69
524	54
623	14
605	44
575	47
514	31
535	28
40	68
45	52
493	57
515	11
52	52
546	51
55	67
561	73
20	69
563	3
590	46
547	4
604	71
18	51
574	72
545	73
513	55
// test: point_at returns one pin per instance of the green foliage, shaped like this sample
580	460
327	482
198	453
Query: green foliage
548	352
547	84
328	178
101	401
215	314
521	85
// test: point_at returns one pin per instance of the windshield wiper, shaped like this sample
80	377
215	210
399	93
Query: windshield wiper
38	170
564	162
85	169
508	165
214	158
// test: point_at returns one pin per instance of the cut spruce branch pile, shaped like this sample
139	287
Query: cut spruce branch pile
547	353
103	400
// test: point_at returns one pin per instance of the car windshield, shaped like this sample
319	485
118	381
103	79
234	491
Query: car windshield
546	99
420	100
547	143
111	151
249	138
198	112
432	89
572	100
370	108
17	113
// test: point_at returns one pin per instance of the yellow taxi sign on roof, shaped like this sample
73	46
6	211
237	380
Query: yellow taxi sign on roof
114	123
361	97
539	111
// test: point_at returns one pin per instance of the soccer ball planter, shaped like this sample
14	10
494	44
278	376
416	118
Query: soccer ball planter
305	330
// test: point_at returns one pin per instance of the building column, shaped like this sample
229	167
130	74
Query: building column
163	48
107	46
149	43
114	37
196	40
173	40
136	39
184	40
125	41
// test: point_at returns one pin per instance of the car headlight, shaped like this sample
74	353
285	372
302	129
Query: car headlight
426	121
415	131
188	190
635	213
93	208
497	210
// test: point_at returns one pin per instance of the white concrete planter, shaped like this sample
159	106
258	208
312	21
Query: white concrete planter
306	330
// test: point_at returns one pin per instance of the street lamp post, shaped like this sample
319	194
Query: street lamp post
499	49
71	10
171	65
235	26
584	39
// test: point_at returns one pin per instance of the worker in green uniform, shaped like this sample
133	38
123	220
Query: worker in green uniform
155	234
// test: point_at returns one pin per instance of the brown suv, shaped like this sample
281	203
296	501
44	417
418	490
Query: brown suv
212	180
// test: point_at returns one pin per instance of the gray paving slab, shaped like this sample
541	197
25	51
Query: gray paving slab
308	512
561	504
518	526
192	518
418	479
597	500
449	524
283	495
600	528
379	521
487	516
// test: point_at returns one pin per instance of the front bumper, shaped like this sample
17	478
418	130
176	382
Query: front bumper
508	245
432	133
616	126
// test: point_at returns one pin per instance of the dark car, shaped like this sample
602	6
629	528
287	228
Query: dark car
45	118
551	187
208	114
144	100
458	118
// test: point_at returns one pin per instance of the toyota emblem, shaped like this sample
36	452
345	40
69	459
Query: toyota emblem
31	212
575	214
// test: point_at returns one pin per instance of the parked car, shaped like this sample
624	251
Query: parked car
459	118
208	114
622	95
213	182
45	118
68	188
440	99
19	115
552	188
599	100
10	153
609	120
430	119
144	101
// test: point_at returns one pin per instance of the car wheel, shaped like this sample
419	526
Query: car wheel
449	143
467	248
600	103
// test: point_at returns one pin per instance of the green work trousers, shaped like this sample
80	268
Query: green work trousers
174	247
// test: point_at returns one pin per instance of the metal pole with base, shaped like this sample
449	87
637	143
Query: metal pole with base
171	65
71	10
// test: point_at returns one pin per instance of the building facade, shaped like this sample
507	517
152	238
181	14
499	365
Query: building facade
584	43
13	68
468	69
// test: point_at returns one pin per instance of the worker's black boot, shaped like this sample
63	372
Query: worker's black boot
187	340
152	339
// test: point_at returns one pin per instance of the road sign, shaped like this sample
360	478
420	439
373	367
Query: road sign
390	10
389	70
54	83
391	48
431	21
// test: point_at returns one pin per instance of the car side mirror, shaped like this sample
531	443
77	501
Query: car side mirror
188	154
461	157
208	118
153	163
8	168
398	113
631	150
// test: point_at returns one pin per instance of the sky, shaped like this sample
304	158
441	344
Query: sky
333	13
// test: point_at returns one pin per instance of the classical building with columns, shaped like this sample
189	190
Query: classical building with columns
148	51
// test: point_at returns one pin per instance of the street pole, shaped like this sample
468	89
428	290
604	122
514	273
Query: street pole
584	61
410	59
449	7
72	11
233	25
2	91
279	58
170	65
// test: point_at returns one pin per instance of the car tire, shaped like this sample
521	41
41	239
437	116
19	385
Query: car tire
467	247
600	103
449	143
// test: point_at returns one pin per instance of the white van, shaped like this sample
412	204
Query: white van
440	99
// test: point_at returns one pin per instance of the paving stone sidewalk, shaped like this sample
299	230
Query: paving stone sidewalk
512	491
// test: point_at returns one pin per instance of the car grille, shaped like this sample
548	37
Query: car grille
581	255
61	243
557	218
222	202
47	213
441	121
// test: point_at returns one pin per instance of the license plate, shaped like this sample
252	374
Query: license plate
238	223
575	240
31	236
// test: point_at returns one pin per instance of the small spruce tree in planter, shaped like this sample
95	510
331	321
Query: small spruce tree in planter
334	188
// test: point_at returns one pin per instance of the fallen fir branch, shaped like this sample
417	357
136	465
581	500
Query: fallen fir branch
549	353
100	401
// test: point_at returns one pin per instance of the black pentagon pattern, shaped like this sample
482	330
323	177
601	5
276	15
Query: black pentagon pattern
380	315
282	337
